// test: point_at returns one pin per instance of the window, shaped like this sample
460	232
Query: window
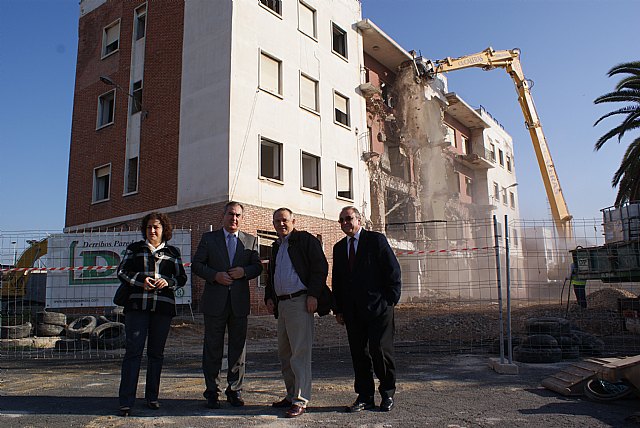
385	88
343	181
514	237
369	139
512	199
508	163
504	196
136	104
307	20
310	171
111	39
131	185
140	24
468	186
493	152
308	93
341	109
274	5
501	157
458	186
496	191
270	69
339	40
466	145
270	159
451	135
101	181
106	107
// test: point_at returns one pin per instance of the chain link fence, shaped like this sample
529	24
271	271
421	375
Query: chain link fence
463	281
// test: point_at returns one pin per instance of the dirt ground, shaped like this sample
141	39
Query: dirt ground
438	391
444	379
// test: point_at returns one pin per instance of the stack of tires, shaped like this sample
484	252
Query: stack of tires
551	339
88	332
50	324
108	335
19	331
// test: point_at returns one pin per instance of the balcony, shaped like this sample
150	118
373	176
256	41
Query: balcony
484	160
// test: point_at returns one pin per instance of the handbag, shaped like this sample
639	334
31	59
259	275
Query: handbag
122	294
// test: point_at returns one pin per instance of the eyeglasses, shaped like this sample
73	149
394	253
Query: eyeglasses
346	219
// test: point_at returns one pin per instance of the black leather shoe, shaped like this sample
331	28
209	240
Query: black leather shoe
153	405
234	398
124	411
386	404
213	403
360	405
282	404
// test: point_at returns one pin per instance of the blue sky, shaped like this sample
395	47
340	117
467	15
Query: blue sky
567	48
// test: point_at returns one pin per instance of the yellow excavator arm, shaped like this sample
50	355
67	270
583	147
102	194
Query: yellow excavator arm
490	59
14	284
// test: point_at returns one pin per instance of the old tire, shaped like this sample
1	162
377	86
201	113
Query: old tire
110	335
532	355
55	318
548	325
101	320
49	330
16	331
81	327
72	345
540	341
601	390
590	345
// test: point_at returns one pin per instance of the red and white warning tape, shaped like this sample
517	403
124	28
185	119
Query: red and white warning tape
58	269
452	250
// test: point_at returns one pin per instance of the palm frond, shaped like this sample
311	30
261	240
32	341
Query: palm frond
623	110
627	96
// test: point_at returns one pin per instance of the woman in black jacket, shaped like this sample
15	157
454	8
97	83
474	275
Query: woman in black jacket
154	270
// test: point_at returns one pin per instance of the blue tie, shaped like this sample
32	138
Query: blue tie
231	247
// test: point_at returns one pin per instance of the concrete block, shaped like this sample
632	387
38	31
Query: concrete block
503	368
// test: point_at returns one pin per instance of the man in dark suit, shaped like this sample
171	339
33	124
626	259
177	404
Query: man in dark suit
226	259
366	287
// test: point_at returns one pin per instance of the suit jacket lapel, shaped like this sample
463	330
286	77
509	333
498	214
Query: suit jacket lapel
239	247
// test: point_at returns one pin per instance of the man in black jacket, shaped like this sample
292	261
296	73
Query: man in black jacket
366	286
298	272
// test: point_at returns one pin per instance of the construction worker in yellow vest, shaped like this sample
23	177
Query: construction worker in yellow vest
579	287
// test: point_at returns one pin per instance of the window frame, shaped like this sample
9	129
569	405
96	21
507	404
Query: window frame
345	43
501	157
318	168
314	13
140	15
512	200
103	50
279	93
316	84
350	173
94	190
509	165
101	101
127	177
264	5
468	186
136	99
280	149
347	114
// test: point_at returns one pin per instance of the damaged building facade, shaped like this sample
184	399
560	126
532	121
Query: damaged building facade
439	171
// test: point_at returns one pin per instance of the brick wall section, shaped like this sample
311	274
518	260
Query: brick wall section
201	219
91	148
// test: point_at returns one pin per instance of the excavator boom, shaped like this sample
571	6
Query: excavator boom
490	59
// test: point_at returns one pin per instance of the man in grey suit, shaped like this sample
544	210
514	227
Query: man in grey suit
226	259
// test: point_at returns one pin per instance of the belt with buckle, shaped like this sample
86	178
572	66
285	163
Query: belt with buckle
291	296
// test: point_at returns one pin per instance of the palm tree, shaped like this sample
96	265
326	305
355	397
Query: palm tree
627	177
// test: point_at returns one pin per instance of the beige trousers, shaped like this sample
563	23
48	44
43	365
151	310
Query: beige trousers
295	340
